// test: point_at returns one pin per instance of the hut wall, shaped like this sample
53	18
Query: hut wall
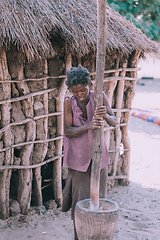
31	107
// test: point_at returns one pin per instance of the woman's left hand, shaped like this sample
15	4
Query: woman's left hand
101	112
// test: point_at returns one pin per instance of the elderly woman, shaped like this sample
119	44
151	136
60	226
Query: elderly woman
80	120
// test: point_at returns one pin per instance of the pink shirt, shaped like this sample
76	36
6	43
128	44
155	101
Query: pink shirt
78	151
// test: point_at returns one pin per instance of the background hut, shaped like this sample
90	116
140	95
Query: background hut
39	41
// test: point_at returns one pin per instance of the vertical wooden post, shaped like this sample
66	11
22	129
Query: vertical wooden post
113	83
79	60
110	92
98	138
57	176
25	175
119	101
133	61
8	159
42	147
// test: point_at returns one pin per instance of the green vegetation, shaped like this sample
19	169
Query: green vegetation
145	14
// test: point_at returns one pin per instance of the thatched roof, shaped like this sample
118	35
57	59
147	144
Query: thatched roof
31	24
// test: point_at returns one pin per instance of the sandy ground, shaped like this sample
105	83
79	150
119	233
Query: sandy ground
139	215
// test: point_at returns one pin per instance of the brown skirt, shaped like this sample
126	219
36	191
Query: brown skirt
78	188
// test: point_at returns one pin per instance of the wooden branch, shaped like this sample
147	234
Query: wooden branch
48	115
48	180
118	125
5	120
25	176
31	142
33	79
29	120
119	70
49	184
112	84
118	150
28	95
110	93
119	100
40	150
128	104
108	79
6	167
57	175
117	177
121	110
79	61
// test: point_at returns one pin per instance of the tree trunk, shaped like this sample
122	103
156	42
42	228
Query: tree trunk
57	176
98	138
8	159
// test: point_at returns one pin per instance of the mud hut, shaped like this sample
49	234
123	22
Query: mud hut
39	41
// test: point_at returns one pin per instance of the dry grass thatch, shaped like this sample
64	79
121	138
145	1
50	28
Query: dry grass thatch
31	24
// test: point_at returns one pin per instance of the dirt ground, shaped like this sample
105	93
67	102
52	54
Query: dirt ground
139	215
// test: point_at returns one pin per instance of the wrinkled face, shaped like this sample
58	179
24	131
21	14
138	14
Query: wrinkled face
81	92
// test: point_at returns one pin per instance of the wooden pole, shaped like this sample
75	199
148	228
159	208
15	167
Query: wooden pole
98	138
119	103
128	104
57	176
40	150
7	139
25	175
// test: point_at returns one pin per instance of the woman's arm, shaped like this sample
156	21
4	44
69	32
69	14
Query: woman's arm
106	112
72	131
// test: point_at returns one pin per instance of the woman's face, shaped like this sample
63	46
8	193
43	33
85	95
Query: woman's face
81	92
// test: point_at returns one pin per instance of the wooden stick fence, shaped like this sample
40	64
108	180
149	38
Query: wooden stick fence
55	113
32	145
64	76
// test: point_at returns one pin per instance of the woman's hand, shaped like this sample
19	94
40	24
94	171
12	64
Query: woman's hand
96	122
101	112
106	113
